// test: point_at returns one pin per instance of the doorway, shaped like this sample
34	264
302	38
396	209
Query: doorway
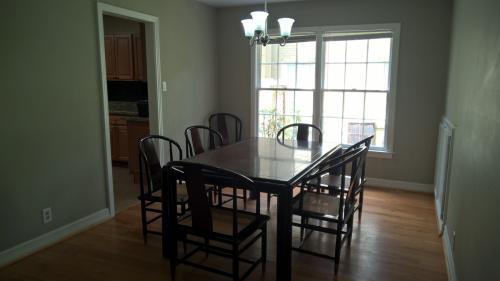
131	87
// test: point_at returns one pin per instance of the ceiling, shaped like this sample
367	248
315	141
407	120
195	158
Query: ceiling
227	3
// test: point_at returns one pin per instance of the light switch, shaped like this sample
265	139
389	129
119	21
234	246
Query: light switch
164	86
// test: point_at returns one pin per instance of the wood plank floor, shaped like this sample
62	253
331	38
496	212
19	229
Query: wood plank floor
396	240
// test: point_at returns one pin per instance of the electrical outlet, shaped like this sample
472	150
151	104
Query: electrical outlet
164	86
47	215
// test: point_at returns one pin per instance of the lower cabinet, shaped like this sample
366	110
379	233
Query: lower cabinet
119	139
137	129
125	135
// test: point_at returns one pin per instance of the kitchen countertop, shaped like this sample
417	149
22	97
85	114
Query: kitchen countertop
126	110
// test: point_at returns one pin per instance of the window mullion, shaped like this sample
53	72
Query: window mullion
317	93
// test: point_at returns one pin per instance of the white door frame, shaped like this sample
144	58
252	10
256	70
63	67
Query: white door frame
152	28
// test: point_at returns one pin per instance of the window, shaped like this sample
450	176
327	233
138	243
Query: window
286	90
346	88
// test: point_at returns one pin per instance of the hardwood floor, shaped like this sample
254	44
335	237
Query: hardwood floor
396	240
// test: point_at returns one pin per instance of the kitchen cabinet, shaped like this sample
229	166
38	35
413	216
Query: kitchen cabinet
139	58
125	57
137	129
119	139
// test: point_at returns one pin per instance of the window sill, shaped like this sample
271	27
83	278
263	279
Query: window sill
380	154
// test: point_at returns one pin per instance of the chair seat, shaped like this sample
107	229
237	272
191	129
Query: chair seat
222	221
182	195
317	205
331	181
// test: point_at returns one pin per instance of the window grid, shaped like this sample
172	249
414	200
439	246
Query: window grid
322	61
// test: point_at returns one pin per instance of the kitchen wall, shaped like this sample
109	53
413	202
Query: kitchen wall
51	119
422	75
473	104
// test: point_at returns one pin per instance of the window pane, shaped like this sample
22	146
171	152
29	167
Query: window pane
352	131
306	76
306	52
332	130
269	54
267	102
284	102
355	76
332	104
335	51
379	138
378	76
269	75
356	50
375	107
353	105
265	126
334	76
304	103
288	53
286	77
379	50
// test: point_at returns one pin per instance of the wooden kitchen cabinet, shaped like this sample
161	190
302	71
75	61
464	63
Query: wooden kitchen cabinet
125	57
119	139
137	129
139	58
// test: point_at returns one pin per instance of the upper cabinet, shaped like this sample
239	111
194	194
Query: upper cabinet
125	57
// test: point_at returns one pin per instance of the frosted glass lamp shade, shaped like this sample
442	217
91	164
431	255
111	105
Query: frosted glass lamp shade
248	27
259	19
286	26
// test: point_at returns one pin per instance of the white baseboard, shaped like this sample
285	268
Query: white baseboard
401	185
26	248
448	254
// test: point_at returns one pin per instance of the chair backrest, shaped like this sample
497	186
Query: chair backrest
362	143
300	132
154	152
228	125
197	177
350	165
200	139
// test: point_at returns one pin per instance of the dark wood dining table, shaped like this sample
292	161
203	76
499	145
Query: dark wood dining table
275	167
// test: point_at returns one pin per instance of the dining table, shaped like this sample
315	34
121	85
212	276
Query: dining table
275	166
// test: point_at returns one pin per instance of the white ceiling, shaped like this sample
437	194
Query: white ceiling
227	3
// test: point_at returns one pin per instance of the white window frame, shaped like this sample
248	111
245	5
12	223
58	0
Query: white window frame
319	32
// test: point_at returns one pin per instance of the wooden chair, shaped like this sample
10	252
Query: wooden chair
228	125
337	210
154	152
300	132
233	229
332	181
195	143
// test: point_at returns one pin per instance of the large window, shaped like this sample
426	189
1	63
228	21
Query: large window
340	81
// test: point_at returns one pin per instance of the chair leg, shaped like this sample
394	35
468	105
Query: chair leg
349	229
360	206
302	229
268	202
219	195
338	246
236	263
207	242
144	221
173	266
264	247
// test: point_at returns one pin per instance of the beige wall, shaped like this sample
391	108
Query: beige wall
473	105
423	63
51	121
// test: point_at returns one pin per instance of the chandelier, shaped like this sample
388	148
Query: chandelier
256	28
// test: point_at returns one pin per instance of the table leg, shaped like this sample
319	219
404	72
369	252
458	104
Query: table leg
284	232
